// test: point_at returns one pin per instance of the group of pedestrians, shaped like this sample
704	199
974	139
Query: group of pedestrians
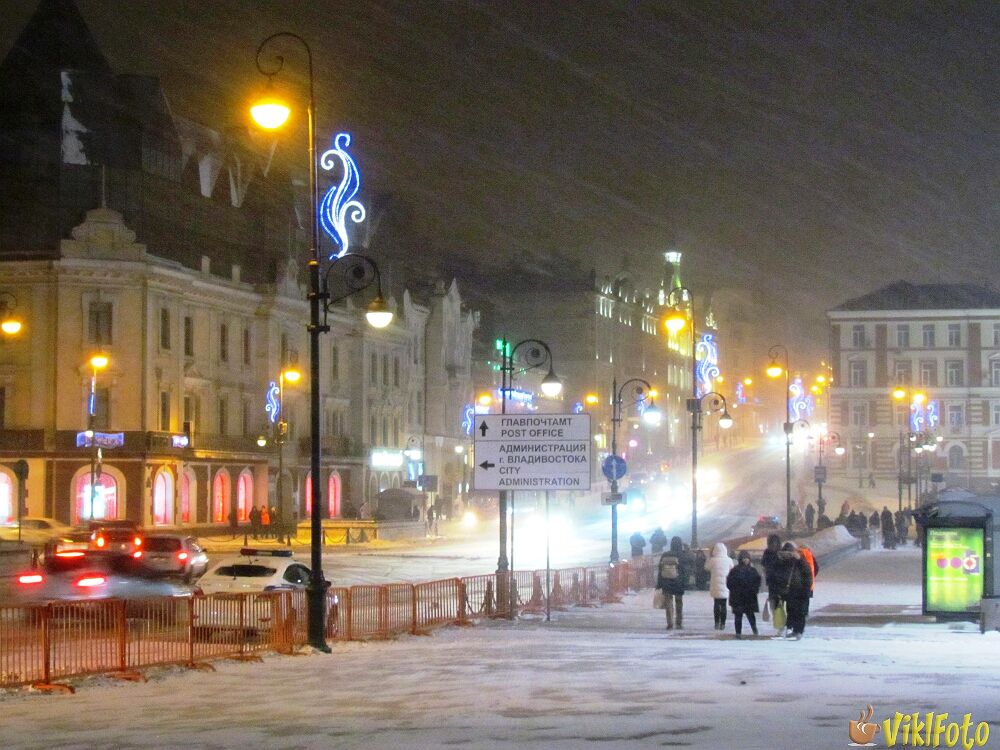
789	572
265	522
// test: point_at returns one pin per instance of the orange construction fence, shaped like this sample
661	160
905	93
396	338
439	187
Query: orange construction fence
44	643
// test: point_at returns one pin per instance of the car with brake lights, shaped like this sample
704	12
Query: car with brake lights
174	554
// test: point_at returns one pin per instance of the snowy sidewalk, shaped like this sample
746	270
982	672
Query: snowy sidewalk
610	676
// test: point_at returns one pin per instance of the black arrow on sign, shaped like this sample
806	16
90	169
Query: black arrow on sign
483	428
486	465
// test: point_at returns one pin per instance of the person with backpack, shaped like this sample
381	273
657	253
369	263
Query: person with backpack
769	561
718	568
638	543
743	583
795	579
670	577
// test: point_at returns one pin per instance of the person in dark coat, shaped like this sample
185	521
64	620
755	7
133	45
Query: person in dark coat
743	583
638	543
671	574
255	521
874	521
658	541
810	516
823	522
769	560
795	579
902	527
888	527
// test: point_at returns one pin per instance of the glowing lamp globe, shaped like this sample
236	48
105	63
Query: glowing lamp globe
919	398
725	421
270	112
591	399
899	394
652	416
840	450
774	370
10	326
99	361
378	314
291	375
675	321
552	385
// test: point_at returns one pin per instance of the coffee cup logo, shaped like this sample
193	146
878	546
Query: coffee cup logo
862	731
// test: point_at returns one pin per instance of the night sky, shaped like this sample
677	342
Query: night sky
806	151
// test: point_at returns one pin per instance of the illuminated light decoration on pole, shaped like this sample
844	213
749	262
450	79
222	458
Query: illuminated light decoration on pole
707	354
800	404
272	405
468	418
338	205
741	394
924	415
578	407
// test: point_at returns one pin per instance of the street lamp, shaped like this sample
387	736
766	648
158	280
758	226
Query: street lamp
642	389
913	398
710	402
536	354
98	362
774	370
832	437
360	272
10	324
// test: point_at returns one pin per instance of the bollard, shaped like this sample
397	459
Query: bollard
536	604
557	598
489	605
575	594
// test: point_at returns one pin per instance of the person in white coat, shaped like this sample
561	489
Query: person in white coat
719	566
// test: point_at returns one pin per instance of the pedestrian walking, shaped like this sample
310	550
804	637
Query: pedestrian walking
638	544
770	562
718	568
871	480
796	580
279	530
658	541
810	516
888	526
743	582
874	522
901	528
265	521
255	521
671	575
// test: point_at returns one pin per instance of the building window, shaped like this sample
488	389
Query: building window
996	413
385	369
903	372
335	364
956	416
858	337
165	329
859	374
372	436
188	336
928	336
902	417
245	419
165	411
928	373
373	369
246	346
996	334
395	431
859	415
995	373
284	349
956	458
953	373
100	503
902	337
223	416
954	334
224	343
3	408
99	322
395	371
385	431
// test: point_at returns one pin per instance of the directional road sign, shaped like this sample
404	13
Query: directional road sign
532	452
614	468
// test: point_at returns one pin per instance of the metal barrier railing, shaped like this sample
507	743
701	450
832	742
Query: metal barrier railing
43	643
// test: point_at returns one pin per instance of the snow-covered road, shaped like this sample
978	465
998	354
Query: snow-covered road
609	677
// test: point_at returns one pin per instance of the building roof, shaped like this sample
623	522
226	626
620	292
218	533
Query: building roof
902	295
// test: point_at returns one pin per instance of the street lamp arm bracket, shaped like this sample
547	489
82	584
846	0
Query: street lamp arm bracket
278	61
642	389
358	272
536	354
685	296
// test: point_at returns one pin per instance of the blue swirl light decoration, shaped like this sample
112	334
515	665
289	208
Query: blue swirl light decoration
578	407
338	205
741	394
924	416
272	405
468	418
707	354
800	404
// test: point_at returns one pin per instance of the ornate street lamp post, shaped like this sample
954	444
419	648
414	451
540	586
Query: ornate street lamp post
97	362
651	416
359	273
775	370
536	354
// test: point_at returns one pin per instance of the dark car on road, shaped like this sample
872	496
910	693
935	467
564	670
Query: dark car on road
765	525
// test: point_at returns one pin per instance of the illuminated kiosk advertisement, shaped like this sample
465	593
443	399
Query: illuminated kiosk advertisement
958	571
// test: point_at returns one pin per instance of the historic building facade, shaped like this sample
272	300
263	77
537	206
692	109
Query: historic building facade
938	347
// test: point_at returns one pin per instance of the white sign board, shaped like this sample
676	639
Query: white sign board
532	452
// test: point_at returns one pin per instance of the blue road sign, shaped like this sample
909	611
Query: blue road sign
613	467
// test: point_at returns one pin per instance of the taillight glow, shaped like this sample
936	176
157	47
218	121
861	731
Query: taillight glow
137	554
182	555
30	578
100	541
91	581
138	541
70	553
